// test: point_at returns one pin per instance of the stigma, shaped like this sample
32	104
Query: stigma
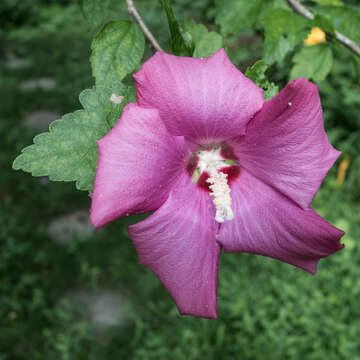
210	162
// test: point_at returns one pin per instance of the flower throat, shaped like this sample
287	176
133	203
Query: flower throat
214	168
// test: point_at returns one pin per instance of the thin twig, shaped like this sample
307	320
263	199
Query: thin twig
355	48
302	10
134	13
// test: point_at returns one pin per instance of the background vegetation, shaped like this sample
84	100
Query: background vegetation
267	310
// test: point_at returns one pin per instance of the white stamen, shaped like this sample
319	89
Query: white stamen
220	190
211	162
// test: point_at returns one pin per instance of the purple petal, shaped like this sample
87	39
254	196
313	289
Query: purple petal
178	244
137	166
269	224
204	99
286	145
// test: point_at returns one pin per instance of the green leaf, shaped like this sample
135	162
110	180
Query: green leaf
96	11
323	23
117	50
68	152
205	43
178	44
344	19
274	4
270	91
269	5
283	31
312	62
236	15
329	2
256	73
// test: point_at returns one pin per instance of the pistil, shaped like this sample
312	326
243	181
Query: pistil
220	190
211	161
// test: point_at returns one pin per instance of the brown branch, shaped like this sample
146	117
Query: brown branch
134	13
302	10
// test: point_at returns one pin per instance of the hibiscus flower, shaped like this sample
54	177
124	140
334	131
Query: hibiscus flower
220	168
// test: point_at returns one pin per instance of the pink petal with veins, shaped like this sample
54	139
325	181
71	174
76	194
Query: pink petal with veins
285	144
138	164
178	244
204	99
269	224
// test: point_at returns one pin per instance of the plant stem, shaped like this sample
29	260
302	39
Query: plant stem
302	10
134	13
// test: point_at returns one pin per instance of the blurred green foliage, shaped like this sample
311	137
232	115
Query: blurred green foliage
267	310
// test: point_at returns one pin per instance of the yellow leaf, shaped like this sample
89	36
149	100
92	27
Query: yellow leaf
344	164
317	36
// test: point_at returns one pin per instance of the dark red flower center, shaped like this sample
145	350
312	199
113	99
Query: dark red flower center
227	158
